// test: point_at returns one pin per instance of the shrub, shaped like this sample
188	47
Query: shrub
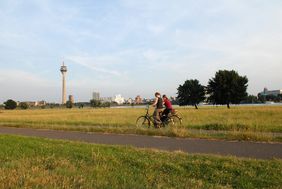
23	105
69	104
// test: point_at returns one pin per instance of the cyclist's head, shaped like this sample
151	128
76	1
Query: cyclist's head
164	96
157	94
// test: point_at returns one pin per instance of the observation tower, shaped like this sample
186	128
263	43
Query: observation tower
64	72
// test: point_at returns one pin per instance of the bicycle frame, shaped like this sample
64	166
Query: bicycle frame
150	119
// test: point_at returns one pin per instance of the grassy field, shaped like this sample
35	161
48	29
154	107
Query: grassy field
41	163
243	123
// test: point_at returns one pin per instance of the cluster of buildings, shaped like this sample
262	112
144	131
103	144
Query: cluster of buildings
138	100
34	103
266	92
119	99
96	95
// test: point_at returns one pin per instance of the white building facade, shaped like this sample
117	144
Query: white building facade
119	99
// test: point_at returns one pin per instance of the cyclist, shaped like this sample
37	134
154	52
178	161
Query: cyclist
158	104
168	108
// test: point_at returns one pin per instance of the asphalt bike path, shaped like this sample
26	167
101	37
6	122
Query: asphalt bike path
258	150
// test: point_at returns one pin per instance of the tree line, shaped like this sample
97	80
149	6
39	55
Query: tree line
11	105
225	88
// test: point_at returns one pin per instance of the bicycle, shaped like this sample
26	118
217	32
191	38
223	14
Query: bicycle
147	120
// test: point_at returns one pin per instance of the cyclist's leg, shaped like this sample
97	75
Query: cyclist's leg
156	115
164	115
167	113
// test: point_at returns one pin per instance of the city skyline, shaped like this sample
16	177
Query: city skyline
132	47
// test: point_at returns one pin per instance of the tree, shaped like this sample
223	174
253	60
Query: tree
191	93
261	98
250	99
10	104
271	97
23	105
69	104
95	103
280	97
227	87
106	105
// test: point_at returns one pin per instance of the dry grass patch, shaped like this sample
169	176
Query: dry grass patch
247	123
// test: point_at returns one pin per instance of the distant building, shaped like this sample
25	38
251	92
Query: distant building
96	96
30	104
41	103
266	92
34	103
138	99
106	99
130	101
172	98
71	98
148	101
119	99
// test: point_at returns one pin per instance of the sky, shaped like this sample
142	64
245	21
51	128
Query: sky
135	47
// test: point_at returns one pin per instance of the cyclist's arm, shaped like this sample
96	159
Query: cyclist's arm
155	102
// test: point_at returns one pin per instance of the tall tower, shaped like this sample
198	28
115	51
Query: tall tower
64	72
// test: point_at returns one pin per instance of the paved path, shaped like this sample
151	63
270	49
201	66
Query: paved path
235	148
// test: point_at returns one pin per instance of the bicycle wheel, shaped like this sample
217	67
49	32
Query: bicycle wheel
143	122
175	121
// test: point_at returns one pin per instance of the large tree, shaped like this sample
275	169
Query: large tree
191	93
10	104
227	87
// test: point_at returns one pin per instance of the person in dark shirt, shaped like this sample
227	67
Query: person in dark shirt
158	104
168	108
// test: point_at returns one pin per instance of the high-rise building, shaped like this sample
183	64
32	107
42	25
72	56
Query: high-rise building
96	96
71	98
64	72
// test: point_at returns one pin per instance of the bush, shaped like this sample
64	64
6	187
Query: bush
23	105
106	104
69	104
95	103
10	104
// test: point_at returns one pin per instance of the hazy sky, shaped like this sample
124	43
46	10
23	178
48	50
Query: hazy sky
133	47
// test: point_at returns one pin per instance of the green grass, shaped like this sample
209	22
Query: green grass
243	123
41	163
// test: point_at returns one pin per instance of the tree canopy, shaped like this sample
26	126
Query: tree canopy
10	104
191	93
227	87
